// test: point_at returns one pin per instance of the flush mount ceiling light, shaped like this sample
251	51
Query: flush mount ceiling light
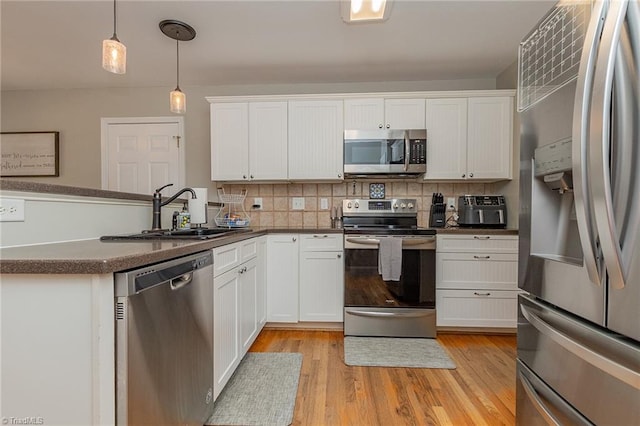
365	10
114	53
179	31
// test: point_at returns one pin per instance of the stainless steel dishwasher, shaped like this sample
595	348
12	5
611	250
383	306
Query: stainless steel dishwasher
164	342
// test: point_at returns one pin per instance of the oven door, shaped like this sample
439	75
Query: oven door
404	308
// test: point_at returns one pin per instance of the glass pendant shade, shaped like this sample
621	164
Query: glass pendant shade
178	101
114	56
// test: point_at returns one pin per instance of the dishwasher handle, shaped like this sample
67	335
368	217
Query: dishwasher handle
178	283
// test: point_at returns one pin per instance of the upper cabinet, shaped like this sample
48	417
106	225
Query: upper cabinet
249	141
379	113
469	138
315	139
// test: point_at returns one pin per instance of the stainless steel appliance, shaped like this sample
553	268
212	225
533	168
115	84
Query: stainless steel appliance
482	211
385	152
164	342
373	306
579	326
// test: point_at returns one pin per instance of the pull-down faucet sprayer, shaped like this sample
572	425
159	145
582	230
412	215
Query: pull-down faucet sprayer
158	203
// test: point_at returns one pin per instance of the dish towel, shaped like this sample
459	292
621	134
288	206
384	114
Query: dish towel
390	258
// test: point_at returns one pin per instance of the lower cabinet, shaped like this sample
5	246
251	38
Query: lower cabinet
305	276
239	301
477	281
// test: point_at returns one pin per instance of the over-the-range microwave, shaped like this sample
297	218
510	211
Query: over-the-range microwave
385	153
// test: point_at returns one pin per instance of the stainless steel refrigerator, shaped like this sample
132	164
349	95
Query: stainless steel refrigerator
579	320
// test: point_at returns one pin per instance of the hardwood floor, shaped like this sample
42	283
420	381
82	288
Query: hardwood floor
480	391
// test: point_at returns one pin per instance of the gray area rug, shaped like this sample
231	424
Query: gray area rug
395	352
262	391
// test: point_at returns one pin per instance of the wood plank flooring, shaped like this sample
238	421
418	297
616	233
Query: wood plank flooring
480	391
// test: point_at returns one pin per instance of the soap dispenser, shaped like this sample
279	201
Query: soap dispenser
184	218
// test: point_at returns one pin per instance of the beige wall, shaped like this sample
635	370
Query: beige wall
508	79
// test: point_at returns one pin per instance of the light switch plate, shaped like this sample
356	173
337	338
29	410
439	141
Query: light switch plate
257	202
451	203
298	203
324	204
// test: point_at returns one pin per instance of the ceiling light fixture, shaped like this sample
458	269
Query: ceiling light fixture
365	10
179	31
114	53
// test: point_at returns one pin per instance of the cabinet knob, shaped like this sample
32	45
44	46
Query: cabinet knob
251	176
388	126
294	239
244	176
470	174
339	256
379	126
463	175
339	175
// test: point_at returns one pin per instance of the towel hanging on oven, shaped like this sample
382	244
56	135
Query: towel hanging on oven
390	258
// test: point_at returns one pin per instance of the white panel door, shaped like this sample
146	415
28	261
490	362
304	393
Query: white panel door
267	140
316	139
261	292
248	322
404	113
282	278
321	286
489	138
230	141
226	341
446	123
363	114
142	156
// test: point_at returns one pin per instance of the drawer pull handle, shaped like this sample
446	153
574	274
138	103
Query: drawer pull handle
320	236
486	237
481	294
482	257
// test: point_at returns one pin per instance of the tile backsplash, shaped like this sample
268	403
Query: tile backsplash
277	199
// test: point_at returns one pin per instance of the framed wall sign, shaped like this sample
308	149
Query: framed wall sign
29	154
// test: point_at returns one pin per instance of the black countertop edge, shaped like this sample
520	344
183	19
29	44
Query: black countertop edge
26	186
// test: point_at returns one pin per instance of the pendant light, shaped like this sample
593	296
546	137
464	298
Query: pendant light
179	31
114	53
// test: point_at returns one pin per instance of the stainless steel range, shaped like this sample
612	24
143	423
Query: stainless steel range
403	306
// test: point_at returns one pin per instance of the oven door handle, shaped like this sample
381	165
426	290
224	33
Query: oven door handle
377	314
405	242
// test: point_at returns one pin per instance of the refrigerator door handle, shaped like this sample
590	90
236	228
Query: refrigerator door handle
619	371
537	402
579	152
599	146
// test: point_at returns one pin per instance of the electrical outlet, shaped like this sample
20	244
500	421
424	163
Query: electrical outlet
324	204
11	210
257	203
451	203
298	203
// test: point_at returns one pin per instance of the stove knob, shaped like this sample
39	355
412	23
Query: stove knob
410	205
403	206
357	205
395	206
349	205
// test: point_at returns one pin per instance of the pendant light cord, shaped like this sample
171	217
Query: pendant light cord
177	60
114	19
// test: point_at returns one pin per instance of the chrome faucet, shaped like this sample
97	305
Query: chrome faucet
157	204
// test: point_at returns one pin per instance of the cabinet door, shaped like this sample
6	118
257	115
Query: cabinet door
282	278
267	140
321	286
489	138
261	285
364	114
230	141
315	139
446	123
404	113
248	321
226	342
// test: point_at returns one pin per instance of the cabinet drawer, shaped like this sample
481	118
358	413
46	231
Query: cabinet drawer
477	270
477	308
321	242
226	258
249	249
478	243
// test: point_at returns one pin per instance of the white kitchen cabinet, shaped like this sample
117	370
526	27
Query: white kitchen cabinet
321	277
261	279
249	141
469	138
315	139
282	277
378	113
477	280
238	301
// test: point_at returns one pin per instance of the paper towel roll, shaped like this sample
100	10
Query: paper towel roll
198	206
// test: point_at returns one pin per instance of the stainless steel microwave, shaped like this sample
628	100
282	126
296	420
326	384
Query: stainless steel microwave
385	152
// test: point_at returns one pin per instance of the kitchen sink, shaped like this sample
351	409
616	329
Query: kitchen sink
182	234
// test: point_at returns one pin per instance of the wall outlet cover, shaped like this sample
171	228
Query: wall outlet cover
298	203
324	204
11	210
257	203
451	203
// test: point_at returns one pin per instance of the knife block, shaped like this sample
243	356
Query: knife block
437	217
